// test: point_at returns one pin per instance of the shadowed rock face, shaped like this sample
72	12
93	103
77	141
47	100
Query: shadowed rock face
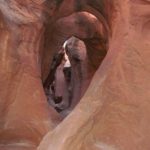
113	113
69	76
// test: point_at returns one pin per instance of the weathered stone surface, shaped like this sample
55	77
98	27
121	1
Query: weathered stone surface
24	112
114	112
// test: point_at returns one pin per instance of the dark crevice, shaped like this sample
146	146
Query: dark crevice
55	63
65	85
60	85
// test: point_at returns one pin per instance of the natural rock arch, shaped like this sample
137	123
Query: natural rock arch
113	113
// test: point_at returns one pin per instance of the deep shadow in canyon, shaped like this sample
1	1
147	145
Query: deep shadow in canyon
74	75
86	33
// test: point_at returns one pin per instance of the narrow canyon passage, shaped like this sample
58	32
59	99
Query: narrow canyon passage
30	41
74	75
83	39
69	76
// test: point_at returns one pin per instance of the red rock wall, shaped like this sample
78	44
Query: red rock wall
114	112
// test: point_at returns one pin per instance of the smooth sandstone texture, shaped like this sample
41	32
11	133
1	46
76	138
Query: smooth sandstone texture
114	112
25	116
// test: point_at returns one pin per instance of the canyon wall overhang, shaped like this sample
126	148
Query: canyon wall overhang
114	112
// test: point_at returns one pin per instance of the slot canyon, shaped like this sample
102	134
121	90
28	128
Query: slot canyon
74	74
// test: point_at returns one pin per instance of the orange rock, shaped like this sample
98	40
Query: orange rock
114	112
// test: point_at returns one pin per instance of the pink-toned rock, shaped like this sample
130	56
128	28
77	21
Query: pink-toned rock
25	116
113	113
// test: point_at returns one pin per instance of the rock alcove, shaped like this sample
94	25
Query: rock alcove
85	48
107	94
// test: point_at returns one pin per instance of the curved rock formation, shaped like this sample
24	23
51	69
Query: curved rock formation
113	114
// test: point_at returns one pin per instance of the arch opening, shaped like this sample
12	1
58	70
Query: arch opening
82	46
65	83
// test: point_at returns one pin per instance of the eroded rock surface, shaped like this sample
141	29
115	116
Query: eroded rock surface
113	114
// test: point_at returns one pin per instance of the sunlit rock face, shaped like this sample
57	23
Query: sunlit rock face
111	109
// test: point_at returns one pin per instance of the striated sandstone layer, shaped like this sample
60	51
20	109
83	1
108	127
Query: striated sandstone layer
114	112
